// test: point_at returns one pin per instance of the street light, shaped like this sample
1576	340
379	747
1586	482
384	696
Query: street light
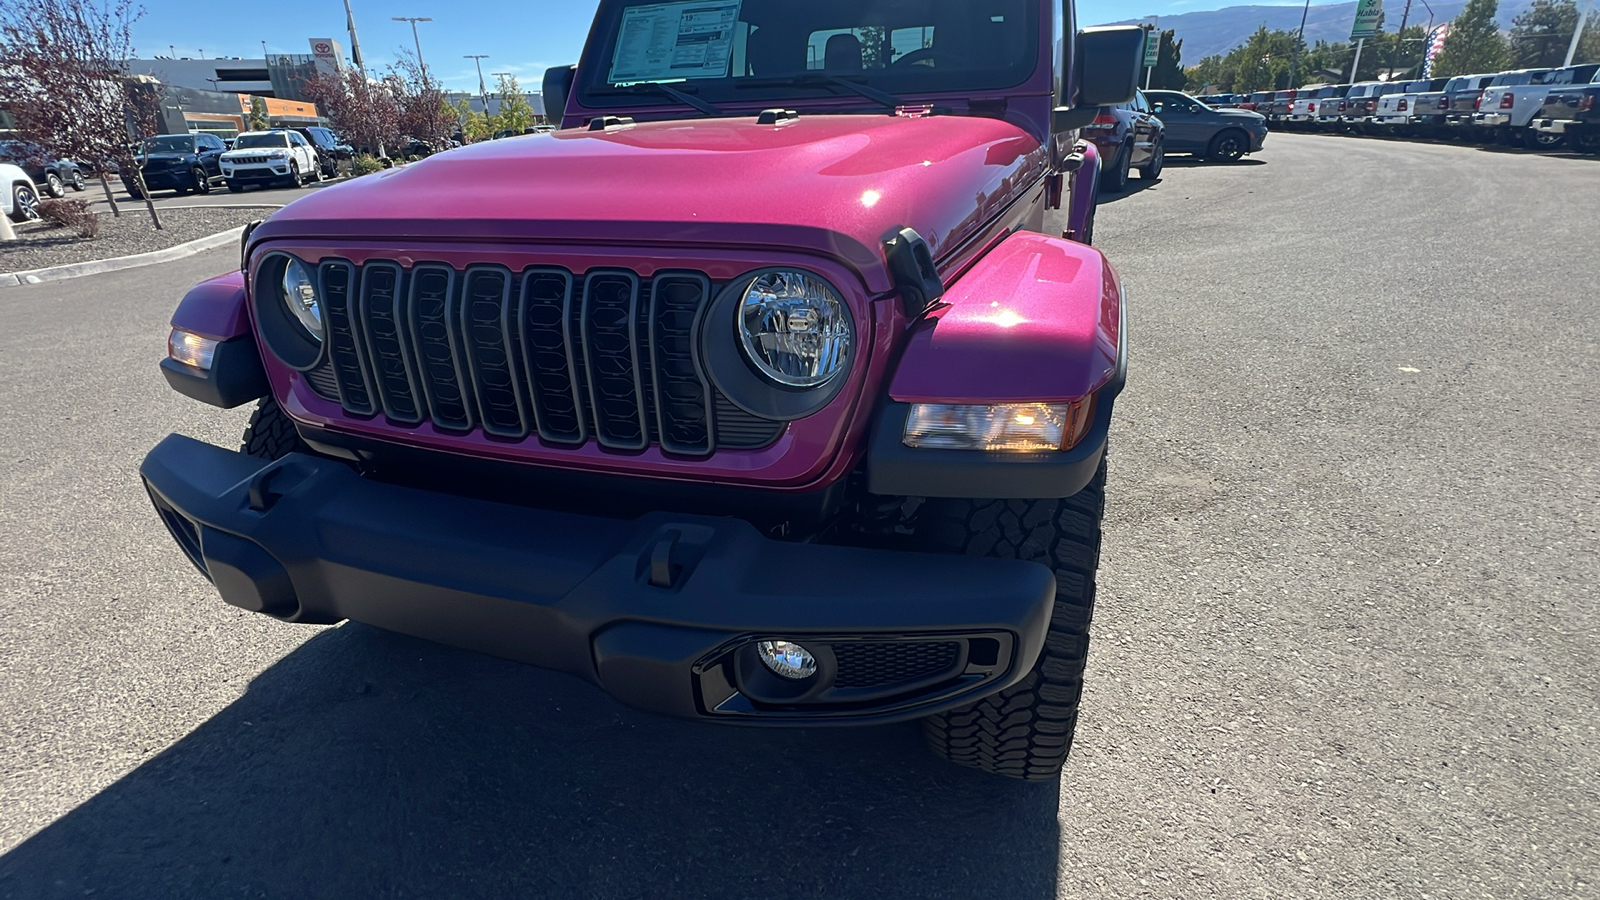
477	59
414	20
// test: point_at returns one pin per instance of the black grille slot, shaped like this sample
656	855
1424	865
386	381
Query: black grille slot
739	430
546	306
610	343
381	318
324	383
486	329
344	347
438	364
864	664
682	395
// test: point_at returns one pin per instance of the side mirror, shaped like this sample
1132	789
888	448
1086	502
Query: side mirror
1109	60
1106	71
557	85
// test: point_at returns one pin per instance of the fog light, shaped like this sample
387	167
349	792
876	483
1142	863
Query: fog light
1015	427
191	349
787	659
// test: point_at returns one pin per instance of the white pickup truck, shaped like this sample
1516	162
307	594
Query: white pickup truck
1398	112
1308	103
1511	108
1512	98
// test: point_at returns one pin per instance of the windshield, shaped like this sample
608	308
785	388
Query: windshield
170	143
718	49
246	141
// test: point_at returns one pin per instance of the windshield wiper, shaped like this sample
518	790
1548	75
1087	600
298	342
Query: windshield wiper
659	88
823	80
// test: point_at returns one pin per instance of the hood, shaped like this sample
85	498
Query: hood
837	185
164	156
1246	114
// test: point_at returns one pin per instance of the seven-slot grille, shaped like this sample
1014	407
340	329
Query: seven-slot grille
247	160
608	355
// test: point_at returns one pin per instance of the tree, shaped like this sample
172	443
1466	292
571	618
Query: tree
364	112
1474	44
424	112
1539	37
258	114
1168	74
515	115
51	50
474	124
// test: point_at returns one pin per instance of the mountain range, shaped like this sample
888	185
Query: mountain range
1218	31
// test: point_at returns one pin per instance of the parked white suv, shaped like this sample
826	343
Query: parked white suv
19	197
279	156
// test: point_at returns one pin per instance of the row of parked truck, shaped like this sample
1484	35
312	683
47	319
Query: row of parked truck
1539	108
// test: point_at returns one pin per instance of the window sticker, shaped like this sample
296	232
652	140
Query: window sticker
673	41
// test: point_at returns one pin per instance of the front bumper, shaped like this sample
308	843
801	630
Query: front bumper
662	612
255	173
167	179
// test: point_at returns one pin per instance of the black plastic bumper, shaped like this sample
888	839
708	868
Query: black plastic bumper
662	611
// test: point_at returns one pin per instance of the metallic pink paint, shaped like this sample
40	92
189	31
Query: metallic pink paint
214	308
835	185
1038	318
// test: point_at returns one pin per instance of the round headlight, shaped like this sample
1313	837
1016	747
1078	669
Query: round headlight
795	328
300	296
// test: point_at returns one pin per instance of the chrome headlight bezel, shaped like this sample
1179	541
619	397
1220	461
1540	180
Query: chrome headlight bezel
299	292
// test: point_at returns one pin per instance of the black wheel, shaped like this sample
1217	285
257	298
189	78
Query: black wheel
202	184
77	181
24	203
1116	177
54	186
270	434
1228	147
294	174
235	187
1025	731
1158	158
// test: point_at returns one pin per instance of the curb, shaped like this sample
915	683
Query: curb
117	264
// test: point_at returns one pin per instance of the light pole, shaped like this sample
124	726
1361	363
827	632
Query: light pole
414	20
1300	38
1577	34
477	59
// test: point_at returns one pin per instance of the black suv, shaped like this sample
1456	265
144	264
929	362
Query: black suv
53	176
328	146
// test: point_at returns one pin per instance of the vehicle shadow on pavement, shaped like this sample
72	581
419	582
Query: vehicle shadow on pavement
371	764
1136	185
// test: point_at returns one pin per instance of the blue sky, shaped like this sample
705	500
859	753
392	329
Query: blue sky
521	38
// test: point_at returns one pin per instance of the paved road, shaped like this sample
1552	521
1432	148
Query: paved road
219	196
1347	642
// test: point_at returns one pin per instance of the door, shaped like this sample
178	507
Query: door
302	151
211	148
1182	116
1145	129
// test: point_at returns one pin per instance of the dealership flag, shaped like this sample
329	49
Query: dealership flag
1435	44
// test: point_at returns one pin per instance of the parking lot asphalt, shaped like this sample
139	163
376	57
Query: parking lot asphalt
219	196
1346	643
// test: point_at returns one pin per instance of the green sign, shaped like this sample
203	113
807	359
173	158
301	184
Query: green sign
1152	48
1368	14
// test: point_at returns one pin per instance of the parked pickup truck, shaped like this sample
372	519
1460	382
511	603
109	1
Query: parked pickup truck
1359	105
1311	98
1330	110
1464	93
1397	112
1570	113
1512	98
704	397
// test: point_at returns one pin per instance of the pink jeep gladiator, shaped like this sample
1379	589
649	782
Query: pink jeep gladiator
753	394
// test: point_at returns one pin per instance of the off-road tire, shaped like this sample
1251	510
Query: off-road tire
1025	731
270	434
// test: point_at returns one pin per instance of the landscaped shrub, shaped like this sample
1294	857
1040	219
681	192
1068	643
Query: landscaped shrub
364	165
73	214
